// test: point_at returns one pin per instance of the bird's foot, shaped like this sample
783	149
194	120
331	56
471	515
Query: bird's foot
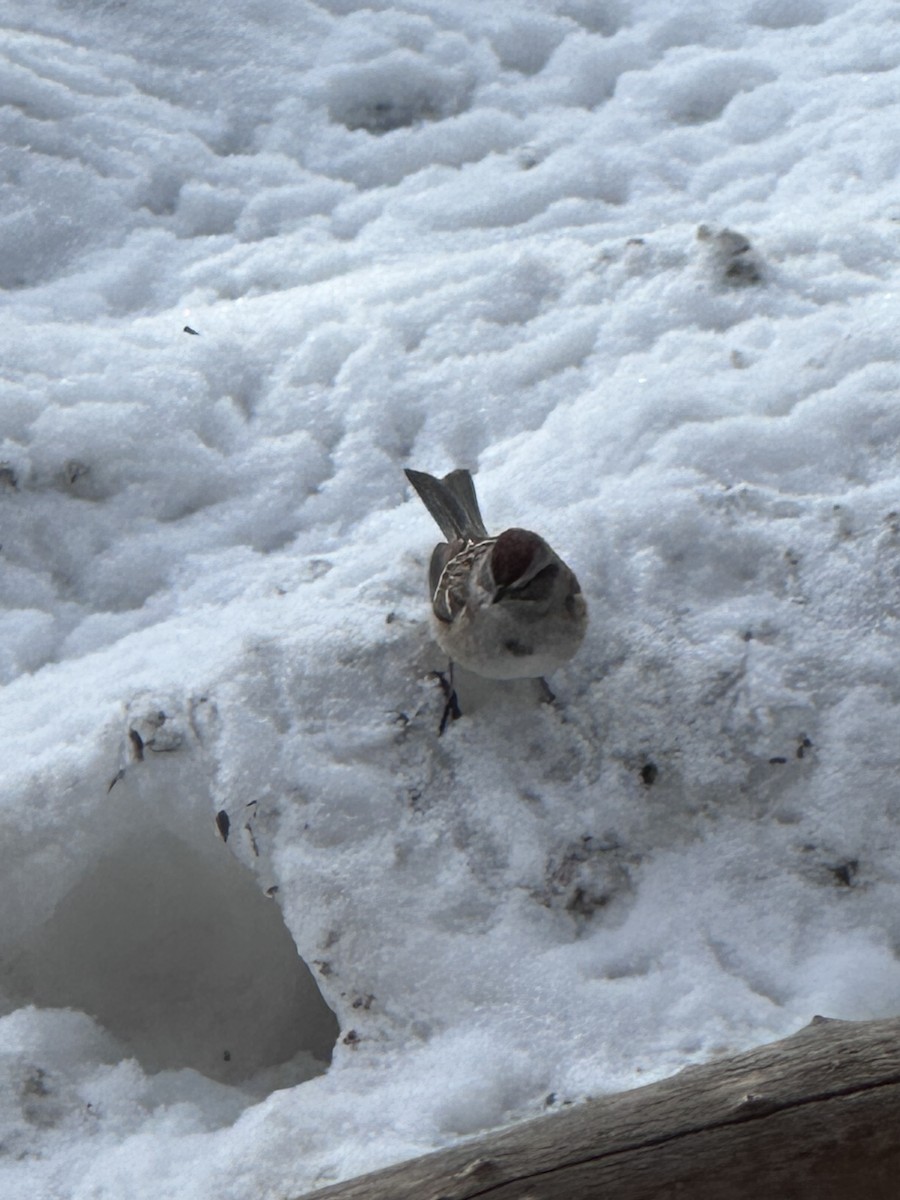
452	710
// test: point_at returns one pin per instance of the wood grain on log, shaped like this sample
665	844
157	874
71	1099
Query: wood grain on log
813	1117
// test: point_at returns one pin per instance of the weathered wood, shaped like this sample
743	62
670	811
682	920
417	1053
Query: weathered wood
813	1117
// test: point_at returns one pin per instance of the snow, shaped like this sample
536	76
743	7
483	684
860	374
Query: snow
638	271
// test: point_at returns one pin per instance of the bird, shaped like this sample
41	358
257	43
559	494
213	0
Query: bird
504	606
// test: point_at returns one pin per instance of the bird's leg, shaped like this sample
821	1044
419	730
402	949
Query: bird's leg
451	707
547	694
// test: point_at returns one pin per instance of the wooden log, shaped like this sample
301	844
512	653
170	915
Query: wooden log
813	1117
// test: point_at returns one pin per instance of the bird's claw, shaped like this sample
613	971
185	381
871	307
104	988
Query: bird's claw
451	706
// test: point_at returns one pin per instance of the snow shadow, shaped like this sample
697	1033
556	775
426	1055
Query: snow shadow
168	941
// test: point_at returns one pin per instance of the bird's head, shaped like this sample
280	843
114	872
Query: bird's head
523	567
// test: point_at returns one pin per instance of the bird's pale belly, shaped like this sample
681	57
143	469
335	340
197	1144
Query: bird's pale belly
495	646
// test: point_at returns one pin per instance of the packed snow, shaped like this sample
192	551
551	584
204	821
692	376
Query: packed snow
637	267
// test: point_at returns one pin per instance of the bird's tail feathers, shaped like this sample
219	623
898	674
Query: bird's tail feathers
452	502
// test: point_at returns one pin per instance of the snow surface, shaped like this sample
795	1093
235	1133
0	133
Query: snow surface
637	266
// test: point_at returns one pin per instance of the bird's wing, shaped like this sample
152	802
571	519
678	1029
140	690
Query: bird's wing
440	556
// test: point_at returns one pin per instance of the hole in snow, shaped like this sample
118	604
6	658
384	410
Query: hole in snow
178	954
396	92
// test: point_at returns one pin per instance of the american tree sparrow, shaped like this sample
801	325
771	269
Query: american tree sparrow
505	607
